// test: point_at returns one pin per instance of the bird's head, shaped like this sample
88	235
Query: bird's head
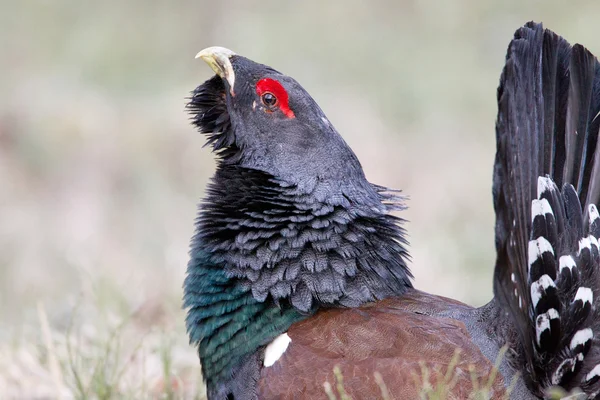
259	118
288	193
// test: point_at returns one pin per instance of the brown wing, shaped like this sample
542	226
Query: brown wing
393	337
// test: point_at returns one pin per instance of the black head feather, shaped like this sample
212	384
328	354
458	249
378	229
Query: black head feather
208	108
303	150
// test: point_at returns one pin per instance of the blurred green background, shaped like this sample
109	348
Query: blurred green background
100	171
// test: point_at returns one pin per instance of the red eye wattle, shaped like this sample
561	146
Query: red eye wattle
273	94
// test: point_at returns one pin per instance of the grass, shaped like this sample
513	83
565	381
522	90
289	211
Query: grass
440	390
557	393
115	359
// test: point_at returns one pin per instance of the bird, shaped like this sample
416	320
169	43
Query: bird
298	277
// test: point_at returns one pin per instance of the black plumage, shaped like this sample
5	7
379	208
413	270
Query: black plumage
298	264
282	244
547	268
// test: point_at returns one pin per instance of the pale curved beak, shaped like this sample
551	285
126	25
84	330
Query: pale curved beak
218	58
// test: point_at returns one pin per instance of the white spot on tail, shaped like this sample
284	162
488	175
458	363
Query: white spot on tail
585	243
540	207
537	248
594	372
544	245
594	241
513	277
581	337
584	294
543	323
566	365
539	287
593	212
566	262
544	184
276	348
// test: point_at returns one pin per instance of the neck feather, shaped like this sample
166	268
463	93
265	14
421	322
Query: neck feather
314	245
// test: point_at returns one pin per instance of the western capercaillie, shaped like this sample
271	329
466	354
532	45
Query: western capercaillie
297	265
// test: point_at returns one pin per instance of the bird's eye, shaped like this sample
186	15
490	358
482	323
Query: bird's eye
269	99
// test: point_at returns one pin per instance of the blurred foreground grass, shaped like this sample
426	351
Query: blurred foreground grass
100	172
100	355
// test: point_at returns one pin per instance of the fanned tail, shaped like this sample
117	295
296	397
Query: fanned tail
546	192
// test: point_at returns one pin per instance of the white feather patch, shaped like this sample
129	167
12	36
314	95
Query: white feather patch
585	243
567	262
593	213
540	207
560	370
538	247
539	287
544	184
584	294
533	252
276	348
594	372
581	337
543	322
594	241
544	245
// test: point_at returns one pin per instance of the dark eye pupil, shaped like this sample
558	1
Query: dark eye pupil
269	99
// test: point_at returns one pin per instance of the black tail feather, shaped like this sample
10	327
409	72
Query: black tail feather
582	68
546	191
